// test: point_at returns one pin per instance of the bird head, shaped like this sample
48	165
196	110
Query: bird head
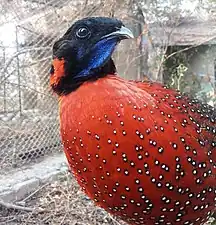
84	52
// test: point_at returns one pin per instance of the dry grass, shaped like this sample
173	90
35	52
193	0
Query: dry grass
58	203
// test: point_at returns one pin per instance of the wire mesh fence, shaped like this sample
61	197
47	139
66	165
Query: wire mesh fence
28	116
29	111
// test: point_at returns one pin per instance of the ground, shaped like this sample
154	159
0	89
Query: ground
60	202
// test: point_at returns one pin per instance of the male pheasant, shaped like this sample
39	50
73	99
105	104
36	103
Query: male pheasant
141	151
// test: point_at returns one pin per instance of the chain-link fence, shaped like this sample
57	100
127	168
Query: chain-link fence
28	110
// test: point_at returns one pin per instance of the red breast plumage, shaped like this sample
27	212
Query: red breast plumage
141	151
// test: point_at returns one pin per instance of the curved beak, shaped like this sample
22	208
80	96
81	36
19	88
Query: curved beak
122	33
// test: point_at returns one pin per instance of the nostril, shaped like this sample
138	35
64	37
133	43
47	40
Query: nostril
56	45
60	46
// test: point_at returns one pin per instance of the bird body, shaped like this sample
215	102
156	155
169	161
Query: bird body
137	150
141	151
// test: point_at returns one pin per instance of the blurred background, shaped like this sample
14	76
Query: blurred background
175	44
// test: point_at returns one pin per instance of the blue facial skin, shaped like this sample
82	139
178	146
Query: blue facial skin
98	56
86	53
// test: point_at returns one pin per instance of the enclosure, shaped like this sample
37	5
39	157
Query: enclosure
175	43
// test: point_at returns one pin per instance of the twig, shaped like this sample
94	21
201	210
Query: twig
36	191
113	219
7	221
25	86
4	70
192	46
20	208
63	219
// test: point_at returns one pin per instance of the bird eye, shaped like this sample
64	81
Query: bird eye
82	32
